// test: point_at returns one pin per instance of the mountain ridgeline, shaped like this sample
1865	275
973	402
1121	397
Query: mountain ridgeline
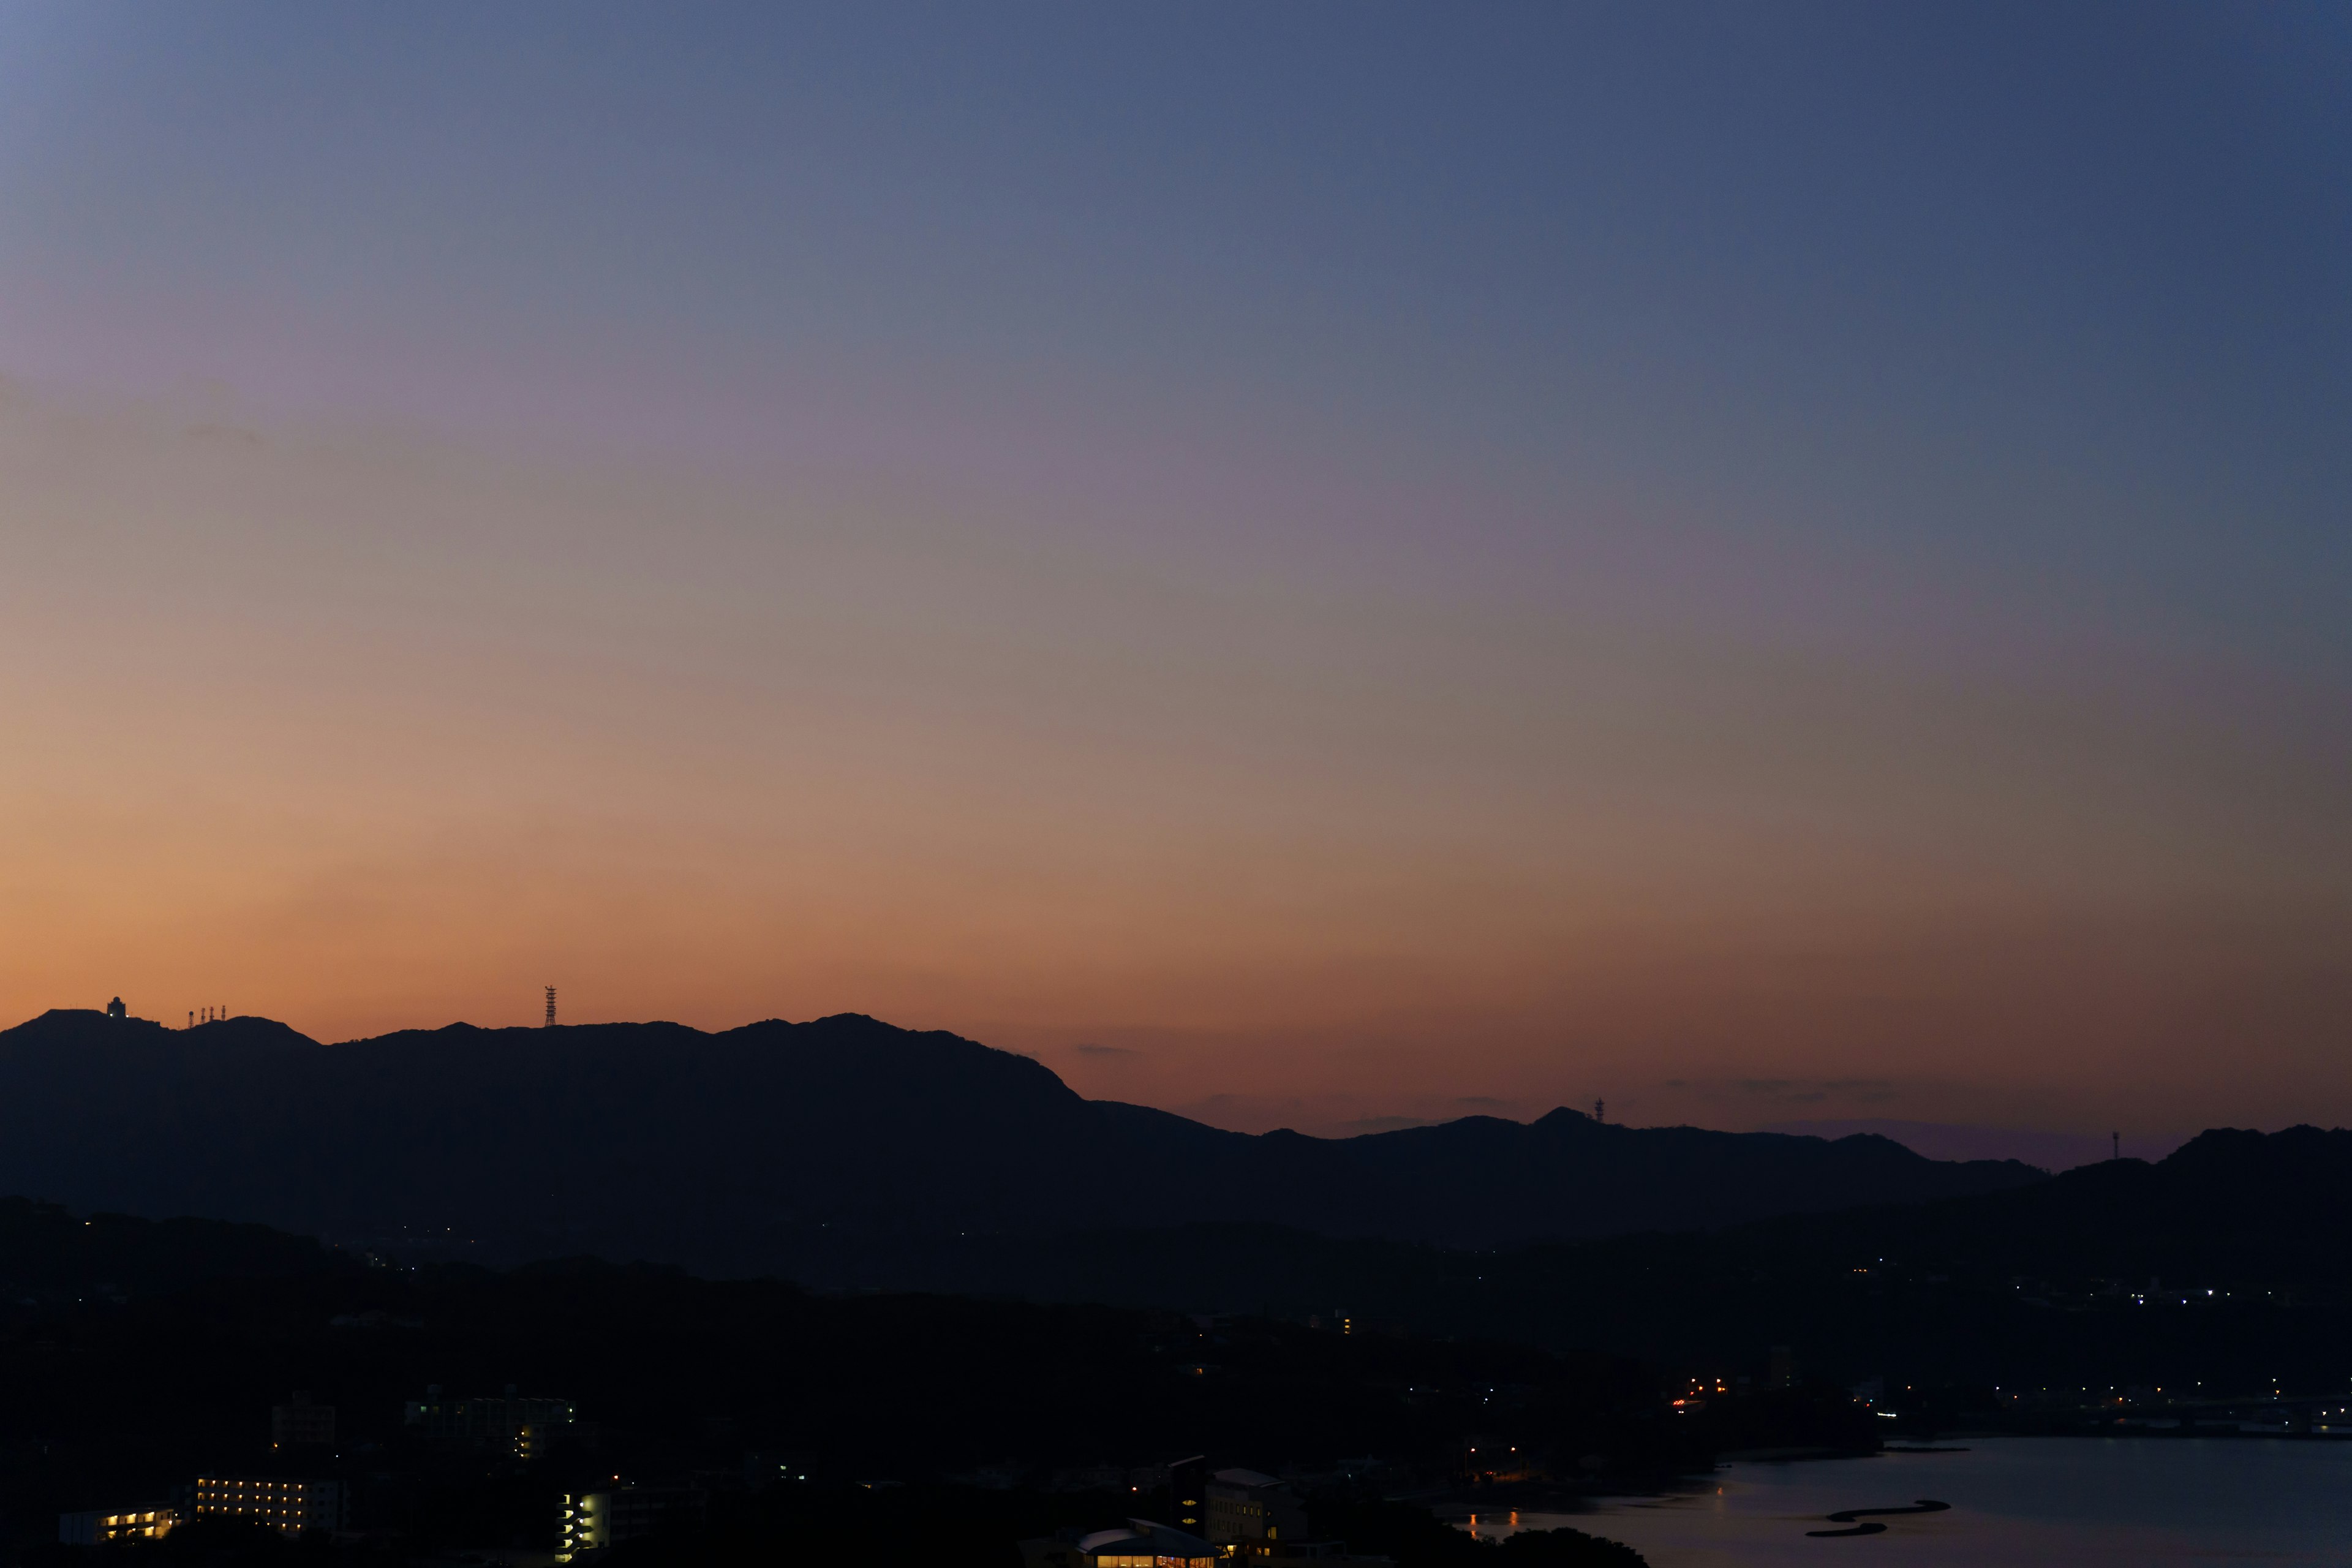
2229	1263
751	1150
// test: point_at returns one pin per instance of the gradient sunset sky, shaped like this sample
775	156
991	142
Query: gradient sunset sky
1310	565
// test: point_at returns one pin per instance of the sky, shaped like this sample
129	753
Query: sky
1327	566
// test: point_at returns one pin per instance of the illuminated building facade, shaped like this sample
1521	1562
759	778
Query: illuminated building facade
595	1520
286	1505
98	1526
1188	1494
1143	1544
587	1523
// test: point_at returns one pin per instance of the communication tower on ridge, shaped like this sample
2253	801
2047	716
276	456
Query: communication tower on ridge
551	1008
1599	1107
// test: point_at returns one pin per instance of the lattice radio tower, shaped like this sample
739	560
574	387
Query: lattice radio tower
551	1008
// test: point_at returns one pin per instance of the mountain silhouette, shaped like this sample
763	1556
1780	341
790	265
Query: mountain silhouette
2229	1205
738	1151
2228	1263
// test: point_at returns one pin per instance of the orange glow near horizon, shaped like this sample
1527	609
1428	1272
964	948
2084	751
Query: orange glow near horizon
363	733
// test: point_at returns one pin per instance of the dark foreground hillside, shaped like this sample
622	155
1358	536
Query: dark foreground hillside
2227	1266
756	1149
135	1355
887	1428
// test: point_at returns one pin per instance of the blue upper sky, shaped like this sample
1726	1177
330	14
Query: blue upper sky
2065	284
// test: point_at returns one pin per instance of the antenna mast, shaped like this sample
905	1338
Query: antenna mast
551	1008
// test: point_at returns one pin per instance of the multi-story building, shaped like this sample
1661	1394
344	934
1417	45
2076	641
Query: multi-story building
592	1521
99	1525
298	1424
507	1424
285	1504
1141	1544
1188	1494
1246	1507
1257	1520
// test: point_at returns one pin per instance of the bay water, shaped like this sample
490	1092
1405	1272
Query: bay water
2025	1503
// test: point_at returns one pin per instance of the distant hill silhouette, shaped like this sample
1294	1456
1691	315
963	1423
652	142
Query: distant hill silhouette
2096	1278
2230	1205
47	1253
740	1151
2229	1263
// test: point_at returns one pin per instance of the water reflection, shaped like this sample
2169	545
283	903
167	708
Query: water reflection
2017	1501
